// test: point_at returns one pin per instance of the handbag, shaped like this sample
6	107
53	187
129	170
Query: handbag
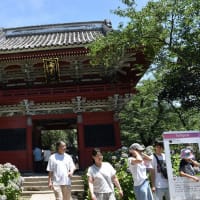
163	167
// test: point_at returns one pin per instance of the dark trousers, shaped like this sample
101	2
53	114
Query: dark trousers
38	166
45	163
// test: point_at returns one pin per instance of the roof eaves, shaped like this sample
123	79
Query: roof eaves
26	50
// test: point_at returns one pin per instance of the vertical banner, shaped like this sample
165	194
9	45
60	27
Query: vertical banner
182	150
51	69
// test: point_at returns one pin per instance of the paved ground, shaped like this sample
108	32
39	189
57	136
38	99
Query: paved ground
42	197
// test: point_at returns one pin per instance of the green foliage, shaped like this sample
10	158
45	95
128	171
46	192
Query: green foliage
141	116
180	59
118	160
10	182
167	32
147	116
86	187
144	33
175	159
50	137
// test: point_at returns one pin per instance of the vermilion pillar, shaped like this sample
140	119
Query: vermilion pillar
117	134
29	144
16	157
81	146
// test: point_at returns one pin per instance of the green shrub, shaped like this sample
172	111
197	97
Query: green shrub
175	159
10	182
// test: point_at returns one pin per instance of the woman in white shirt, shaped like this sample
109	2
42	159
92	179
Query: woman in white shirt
137	168
101	176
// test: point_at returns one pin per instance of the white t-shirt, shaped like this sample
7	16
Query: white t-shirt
160	181
46	155
60	165
138	172
102	177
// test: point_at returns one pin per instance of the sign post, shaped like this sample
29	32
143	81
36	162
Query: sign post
181	188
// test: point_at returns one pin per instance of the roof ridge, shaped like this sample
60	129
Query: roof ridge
62	27
106	22
2	33
52	36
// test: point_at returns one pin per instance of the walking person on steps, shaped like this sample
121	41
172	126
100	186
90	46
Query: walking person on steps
61	168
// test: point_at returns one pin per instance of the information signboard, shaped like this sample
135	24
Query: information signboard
175	142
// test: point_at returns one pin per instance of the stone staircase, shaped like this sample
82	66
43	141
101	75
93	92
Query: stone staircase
39	185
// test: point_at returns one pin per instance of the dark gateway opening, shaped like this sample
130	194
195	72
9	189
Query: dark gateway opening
99	135
12	139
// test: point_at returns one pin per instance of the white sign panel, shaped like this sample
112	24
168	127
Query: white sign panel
177	145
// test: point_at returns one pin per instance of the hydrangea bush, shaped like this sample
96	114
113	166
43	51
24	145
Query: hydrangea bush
10	182
118	159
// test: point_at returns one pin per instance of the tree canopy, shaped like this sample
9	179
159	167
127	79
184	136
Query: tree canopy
168	33
146	116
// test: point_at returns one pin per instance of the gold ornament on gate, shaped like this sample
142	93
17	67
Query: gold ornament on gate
51	69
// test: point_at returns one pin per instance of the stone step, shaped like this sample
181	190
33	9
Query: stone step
38	185
44	182
45	178
44	188
28	194
48	192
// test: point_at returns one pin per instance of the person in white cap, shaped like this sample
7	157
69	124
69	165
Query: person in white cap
187	164
137	168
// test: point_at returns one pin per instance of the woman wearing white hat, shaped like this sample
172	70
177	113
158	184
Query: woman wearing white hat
137	168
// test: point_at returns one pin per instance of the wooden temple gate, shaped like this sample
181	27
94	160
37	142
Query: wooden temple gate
45	74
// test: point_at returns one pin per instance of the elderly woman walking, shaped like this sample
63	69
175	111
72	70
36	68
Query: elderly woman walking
101	176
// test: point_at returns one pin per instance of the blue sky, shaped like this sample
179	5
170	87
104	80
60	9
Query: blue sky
14	13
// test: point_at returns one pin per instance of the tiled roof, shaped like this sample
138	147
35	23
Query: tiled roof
51	36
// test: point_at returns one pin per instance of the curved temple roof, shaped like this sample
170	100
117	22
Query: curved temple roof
51	36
